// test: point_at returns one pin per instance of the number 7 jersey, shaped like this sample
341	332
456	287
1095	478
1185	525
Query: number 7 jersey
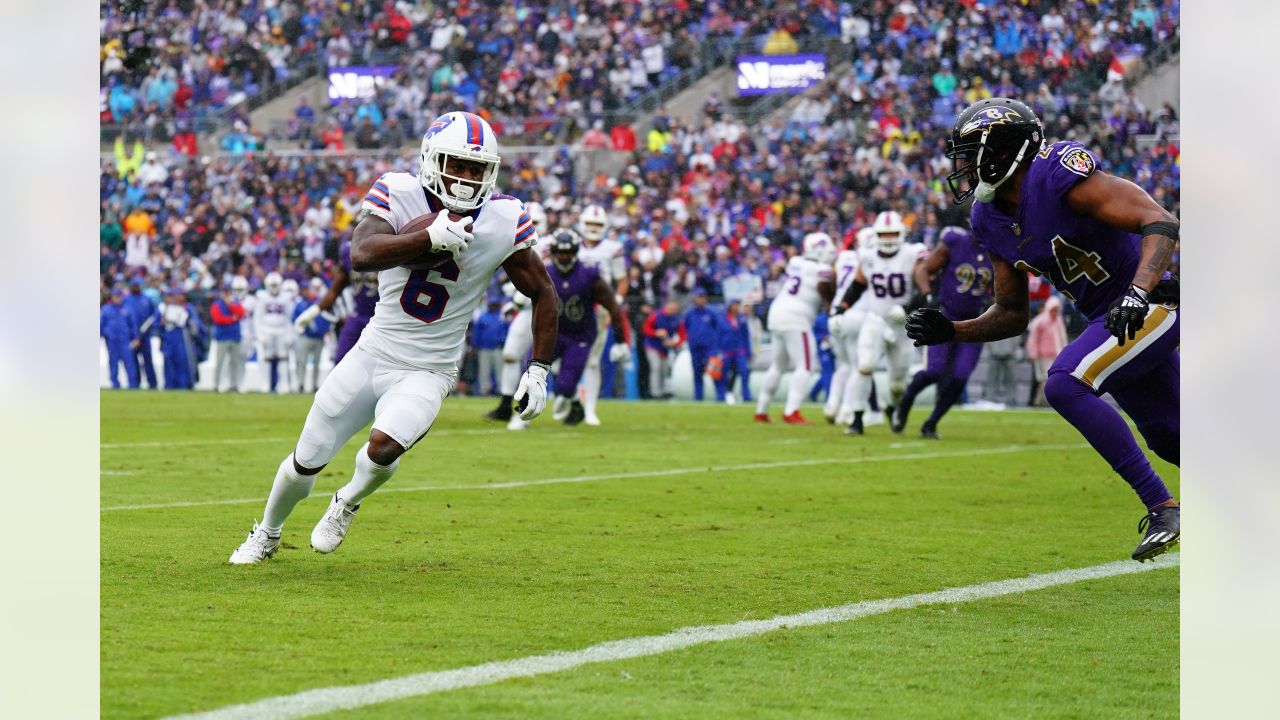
421	317
1087	260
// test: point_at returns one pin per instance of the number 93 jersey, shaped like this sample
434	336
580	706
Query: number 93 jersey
889	279
421	317
1087	260
798	301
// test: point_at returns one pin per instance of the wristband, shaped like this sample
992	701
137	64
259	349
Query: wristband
1167	229
1142	294
540	363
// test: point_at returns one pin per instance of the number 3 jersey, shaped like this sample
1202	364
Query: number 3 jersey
888	278
798	301
422	315
1087	260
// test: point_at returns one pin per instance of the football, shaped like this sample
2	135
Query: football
429	258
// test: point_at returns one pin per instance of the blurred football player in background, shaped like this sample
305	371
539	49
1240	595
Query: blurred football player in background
273	326
807	289
962	291
310	340
887	269
520	335
609	257
844	332
1047	209
406	361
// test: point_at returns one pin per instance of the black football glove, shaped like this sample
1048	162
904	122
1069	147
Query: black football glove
1165	292
1126	314
929	327
921	301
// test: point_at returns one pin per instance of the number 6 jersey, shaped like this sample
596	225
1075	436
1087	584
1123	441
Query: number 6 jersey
1087	260
421	317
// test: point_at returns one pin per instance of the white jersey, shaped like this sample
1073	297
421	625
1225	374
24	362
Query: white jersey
846	271
422	315
608	257
889	279
272	314
798	301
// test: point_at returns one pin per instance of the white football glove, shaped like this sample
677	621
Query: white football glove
835	325
449	236
534	385
619	353
307	317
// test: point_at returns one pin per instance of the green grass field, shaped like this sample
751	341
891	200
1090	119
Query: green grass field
442	571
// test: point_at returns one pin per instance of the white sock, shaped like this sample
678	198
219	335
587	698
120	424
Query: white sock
510	377
850	391
861	391
590	388
836	392
369	476
288	489
797	387
770	383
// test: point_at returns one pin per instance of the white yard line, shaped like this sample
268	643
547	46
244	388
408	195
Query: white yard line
330	699
851	460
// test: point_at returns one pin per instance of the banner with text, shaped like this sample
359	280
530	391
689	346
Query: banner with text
357	82
769	74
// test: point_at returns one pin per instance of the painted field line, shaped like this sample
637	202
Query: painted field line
853	460
347	697
260	441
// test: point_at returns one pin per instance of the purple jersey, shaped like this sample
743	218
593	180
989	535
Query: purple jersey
364	286
1087	260
965	284
577	291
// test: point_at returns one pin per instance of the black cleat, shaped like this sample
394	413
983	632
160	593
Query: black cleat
576	414
502	413
898	420
1163	528
855	427
929	431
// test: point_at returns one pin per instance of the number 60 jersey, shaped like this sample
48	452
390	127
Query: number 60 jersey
422	315
888	278
1087	260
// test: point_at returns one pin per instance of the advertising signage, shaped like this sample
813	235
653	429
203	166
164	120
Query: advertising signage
769	74
356	82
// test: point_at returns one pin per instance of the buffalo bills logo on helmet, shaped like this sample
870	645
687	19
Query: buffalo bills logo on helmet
440	124
991	116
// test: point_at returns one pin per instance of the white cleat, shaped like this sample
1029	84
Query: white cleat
873	418
517	424
844	417
829	414
592	419
258	547
560	410
332	528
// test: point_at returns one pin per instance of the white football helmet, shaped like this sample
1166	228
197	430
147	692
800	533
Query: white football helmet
819	247
290	287
592	223
538	216
890	232
272	283
866	238
239	286
465	136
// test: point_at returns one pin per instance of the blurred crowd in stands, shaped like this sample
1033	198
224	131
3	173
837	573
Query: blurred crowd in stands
697	205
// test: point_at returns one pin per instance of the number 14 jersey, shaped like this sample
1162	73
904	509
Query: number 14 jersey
421	317
1087	260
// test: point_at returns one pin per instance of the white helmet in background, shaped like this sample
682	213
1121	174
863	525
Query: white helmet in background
866	238
538	216
819	247
890	232
592	223
272	282
290	287
239	286
464	136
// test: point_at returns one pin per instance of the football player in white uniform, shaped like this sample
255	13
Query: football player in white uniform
273	326
887	269
844	327
520	334
808	287
406	360
607	255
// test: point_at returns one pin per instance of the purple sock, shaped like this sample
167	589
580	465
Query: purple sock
1107	432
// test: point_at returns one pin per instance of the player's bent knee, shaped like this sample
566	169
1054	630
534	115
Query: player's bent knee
1060	388
383	450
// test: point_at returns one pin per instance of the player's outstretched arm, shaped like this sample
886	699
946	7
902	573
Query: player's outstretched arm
605	296
1008	316
930	266
856	288
341	278
1122	204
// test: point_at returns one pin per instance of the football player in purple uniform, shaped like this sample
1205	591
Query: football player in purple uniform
1047	209
962	291
580	288
364	298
